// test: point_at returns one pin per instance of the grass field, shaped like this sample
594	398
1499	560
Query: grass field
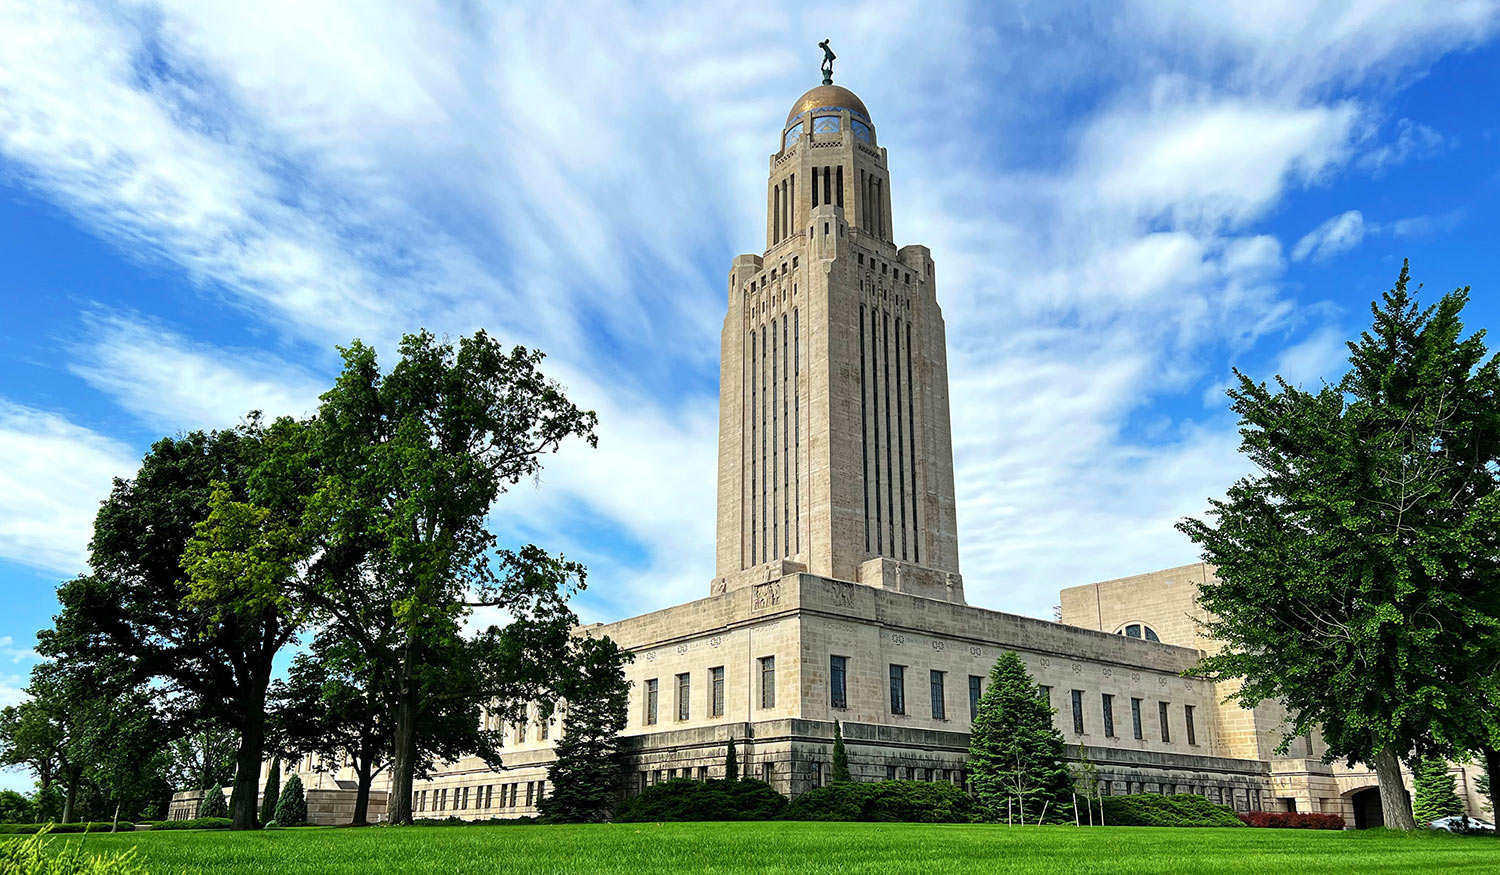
807	848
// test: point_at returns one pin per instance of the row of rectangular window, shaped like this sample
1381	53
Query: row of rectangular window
483	796
937	682
1107	705
716	692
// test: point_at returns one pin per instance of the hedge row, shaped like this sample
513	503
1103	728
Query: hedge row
1153	809
683	799
458	821
893	801
195	823
94	826
1292	820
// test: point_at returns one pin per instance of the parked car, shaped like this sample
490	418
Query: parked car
1462	824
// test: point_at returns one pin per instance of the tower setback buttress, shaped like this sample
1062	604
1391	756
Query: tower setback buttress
835	451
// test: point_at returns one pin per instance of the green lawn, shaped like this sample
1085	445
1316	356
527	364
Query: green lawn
804	848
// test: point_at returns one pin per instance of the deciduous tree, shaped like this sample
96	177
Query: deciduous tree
1357	570
412	463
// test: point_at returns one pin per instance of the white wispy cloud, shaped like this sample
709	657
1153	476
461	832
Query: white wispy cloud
55	475
175	384
577	177
1338	234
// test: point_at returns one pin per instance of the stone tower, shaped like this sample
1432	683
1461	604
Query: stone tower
835	454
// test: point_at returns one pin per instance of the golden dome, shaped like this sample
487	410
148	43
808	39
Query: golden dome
828	95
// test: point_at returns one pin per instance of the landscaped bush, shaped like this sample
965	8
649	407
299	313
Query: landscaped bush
213	803
1292	820
33	856
904	801
685	799
95	826
1151	809
195	823
291	806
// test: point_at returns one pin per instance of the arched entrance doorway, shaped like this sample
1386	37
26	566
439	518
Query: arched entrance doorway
1367	813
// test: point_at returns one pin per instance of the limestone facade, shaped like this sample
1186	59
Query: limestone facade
1165	602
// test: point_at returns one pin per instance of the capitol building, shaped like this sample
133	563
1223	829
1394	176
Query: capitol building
837	593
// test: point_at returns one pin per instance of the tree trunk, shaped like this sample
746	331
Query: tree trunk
404	758
114	825
362	793
1492	769
1394	805
71	797
244	807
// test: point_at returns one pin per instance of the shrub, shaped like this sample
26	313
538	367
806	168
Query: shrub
1292	820
213	804
1151	809
196	823
15	808
291	807
683	799
59	828
33	856
903	801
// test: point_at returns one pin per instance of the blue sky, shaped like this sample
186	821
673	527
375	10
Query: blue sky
1123	200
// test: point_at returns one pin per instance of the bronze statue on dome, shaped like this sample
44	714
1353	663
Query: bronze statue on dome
828	57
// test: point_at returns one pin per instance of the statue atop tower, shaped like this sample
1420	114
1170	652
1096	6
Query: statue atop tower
828	57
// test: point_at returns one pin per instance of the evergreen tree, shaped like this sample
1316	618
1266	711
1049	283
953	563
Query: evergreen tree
587	775
272	793
840	757
1482	785
1358	582
291	808
731	763
213	804
1436	796
1015	754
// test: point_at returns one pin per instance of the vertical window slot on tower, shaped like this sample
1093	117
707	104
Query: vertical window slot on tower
827	184
815	188
911	428
765	501
900	442
754	387
885	379
786	448
775	491
864	425
797	421
875	417
839	184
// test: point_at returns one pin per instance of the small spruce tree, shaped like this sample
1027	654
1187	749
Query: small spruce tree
271	793
213	804
587	775
1482	786
840	757
291	808
731	763
1435	796
1015	754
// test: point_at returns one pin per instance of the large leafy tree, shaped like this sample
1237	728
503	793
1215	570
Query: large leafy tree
412	463
29	738
1015	753
201	632
588	773
1357	570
